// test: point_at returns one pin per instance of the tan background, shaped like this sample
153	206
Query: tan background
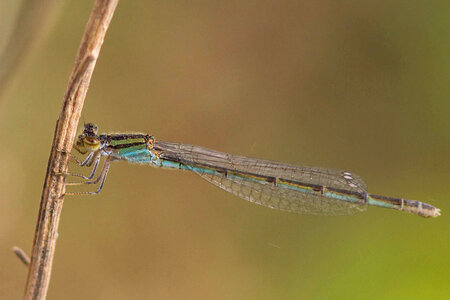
357	85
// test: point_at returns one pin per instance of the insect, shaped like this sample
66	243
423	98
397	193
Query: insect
307	190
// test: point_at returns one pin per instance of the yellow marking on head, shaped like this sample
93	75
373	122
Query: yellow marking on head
91	143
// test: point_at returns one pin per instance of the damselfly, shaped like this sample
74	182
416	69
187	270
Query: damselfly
307	190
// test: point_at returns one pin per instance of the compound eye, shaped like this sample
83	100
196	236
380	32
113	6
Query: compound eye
94	128
90	129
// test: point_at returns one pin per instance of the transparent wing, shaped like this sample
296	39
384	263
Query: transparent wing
264	192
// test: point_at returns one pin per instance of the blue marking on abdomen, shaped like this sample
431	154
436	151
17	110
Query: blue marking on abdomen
295	188
170	164
138	155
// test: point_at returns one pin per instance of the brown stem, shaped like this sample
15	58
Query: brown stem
21	255
54	186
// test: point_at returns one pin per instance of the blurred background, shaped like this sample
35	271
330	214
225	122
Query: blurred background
357	85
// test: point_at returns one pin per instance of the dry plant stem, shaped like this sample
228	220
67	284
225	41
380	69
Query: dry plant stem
22	255
54	186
